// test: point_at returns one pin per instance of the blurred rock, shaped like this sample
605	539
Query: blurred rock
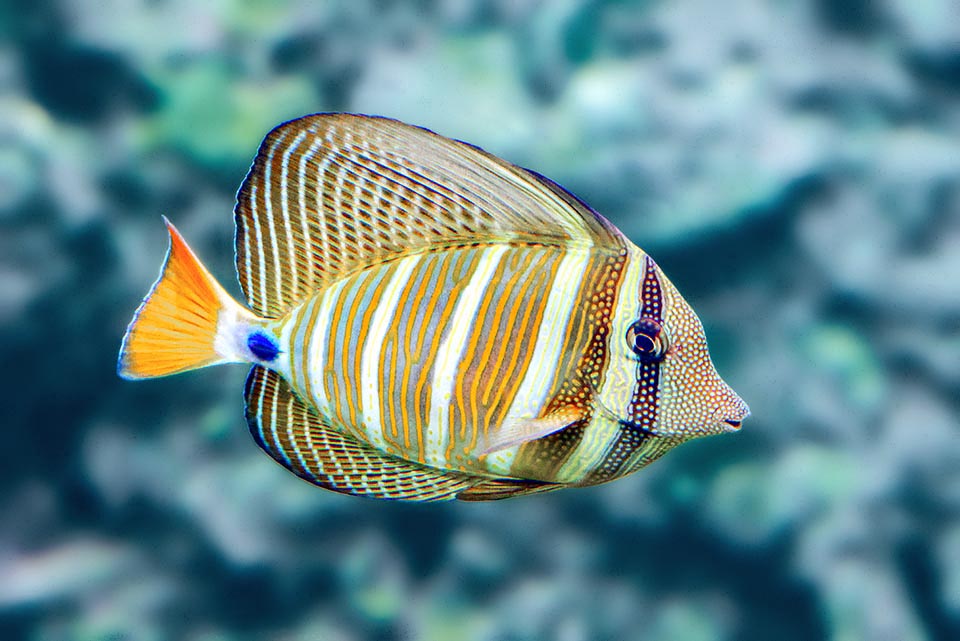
443	85
62	571
755	504
373	580
210	109
948	559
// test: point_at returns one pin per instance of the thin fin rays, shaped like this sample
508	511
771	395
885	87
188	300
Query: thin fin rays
374	187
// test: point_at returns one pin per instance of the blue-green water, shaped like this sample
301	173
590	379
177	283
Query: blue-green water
793	166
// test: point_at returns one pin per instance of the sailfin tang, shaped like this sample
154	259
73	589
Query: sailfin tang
305	443
330	192
519	431
185	322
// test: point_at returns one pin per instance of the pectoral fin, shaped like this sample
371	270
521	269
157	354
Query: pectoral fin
521	430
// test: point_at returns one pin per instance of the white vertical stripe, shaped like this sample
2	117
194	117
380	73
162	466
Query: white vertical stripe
291	437
323	216
599	433
273	426
321	172
448	357
255	241
531	396
302	202
308	436
278	449
263	389
619	377
339	215
316	347
292	268
373	341
271	223
291	345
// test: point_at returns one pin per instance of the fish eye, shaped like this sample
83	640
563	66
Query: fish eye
647	340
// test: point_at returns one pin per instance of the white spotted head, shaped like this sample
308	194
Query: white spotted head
660	378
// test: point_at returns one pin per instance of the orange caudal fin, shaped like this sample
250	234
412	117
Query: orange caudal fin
186	321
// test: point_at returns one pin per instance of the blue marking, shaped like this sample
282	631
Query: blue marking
262	346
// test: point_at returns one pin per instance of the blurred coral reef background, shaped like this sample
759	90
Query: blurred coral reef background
794	166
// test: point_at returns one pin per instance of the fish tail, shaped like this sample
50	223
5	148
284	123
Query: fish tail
185	322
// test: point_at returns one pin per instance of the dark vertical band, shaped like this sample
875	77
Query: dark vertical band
642	411
643	406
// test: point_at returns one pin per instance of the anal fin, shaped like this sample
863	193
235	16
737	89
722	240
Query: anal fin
496	489
301	440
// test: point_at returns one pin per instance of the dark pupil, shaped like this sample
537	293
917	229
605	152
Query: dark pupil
643	344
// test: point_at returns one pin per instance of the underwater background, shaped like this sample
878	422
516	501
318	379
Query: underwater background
793	166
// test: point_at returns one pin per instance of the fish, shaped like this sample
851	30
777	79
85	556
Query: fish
427	321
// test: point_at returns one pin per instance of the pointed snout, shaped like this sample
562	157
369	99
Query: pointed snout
732	411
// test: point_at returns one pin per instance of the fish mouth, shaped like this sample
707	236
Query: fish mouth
733	421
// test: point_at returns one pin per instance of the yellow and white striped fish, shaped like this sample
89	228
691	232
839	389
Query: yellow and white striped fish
427	321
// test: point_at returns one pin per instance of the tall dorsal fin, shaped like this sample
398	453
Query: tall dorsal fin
330	192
